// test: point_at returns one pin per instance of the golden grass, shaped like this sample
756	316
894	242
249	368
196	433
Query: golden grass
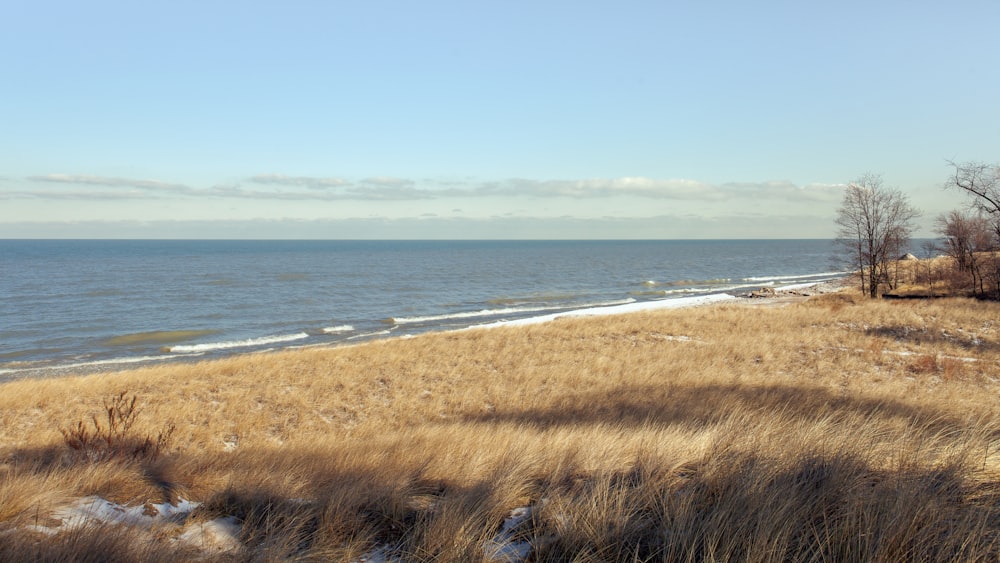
833	429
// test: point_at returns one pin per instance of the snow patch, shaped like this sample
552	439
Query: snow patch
219	535
503	548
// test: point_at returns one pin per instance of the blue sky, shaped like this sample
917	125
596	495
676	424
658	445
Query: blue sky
483	120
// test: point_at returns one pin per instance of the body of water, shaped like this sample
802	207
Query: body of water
86	305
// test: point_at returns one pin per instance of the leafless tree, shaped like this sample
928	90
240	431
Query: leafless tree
971	240
931	249
875	225
981	182
964	235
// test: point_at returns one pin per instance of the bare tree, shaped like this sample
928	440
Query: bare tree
931	249
981	182
875	225
971	240
964	235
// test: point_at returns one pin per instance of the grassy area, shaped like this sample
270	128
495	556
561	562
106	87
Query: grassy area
834	429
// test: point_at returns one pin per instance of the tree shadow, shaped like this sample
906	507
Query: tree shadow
909	334
806	506
705	405
155	472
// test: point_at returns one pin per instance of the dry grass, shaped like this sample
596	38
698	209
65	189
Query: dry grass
834	429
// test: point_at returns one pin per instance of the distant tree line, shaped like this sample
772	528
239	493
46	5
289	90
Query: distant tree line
875	223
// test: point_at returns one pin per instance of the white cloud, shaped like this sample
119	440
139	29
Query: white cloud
378	227
388	181
299	181
360	193
649	188
74	195
389	188
784	191
84	179
601	188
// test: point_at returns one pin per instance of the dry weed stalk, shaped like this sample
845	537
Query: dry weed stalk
115	439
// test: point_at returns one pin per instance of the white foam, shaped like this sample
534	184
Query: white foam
675	303
496	312
370	334
212	346
796	286
107	362
796	277
336	329
701	290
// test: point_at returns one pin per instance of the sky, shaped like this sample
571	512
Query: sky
471	120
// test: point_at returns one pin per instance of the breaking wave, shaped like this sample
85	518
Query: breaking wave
338	329
797	277
498	312
212	346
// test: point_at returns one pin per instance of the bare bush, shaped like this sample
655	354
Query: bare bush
115	438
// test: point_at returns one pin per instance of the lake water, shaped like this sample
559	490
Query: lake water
86	305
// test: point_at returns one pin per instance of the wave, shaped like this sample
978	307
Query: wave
157	337
336	329
679	283
534	298
95	363
689	291
806	280
13	356
370	334
699	290
796	277
498	312
633	307
212	346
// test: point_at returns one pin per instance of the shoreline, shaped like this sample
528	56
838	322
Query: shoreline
179	302
777	296
782	414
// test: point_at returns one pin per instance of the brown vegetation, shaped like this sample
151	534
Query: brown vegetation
834	429
978	276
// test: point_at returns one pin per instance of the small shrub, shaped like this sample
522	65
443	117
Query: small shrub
115	438
925	363
837	301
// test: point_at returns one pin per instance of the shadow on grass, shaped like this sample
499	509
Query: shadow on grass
927	337
709	404
154	474
722	506
746	508
726	507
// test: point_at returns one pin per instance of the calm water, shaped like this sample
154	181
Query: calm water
85	305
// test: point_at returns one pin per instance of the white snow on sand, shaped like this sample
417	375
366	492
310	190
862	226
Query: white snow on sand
219	535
